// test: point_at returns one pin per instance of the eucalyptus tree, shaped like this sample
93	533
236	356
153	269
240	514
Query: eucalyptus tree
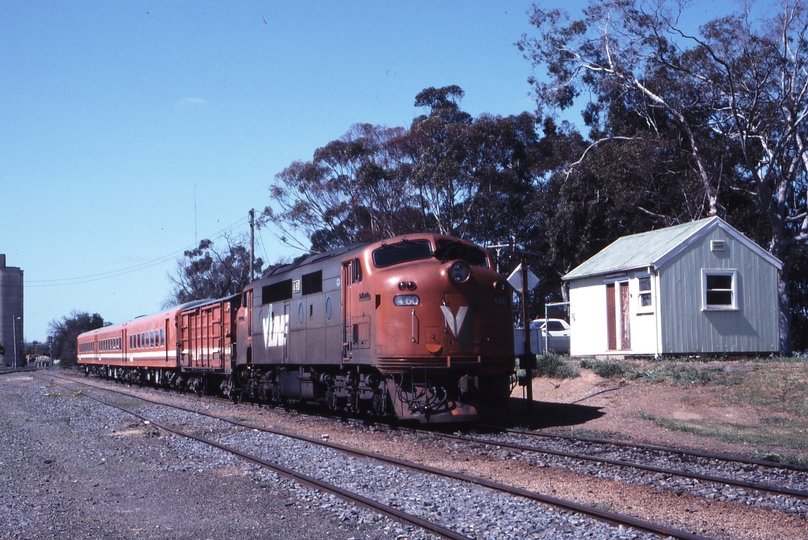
62	334
730	102
208	272
356	188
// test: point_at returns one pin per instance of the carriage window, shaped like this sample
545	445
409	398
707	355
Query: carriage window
401	252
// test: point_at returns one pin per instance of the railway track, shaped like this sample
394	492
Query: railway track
423	473
653	448
801	479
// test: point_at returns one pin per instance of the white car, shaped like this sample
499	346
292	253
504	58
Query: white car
559	338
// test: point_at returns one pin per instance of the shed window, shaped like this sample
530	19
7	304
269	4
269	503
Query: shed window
645	298
719	289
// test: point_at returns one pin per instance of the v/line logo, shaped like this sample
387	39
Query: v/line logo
275	327
460	325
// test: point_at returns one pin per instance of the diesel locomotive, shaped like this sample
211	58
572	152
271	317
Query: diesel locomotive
416	327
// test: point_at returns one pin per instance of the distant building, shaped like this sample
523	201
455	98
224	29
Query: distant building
11	313
698	288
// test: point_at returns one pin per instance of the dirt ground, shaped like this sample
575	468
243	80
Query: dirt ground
620	408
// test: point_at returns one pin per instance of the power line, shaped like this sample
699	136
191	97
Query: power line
127	270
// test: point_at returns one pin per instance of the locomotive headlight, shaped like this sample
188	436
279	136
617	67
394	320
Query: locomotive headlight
406	300
459	272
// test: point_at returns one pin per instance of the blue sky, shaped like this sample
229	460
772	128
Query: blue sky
131	130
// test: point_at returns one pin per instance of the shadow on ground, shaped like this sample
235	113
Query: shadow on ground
544	414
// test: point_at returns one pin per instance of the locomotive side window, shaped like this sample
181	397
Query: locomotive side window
356	270
313	283
401	252
453	250
276	292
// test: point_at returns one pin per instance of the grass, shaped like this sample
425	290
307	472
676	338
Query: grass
63	394
775	387
788	435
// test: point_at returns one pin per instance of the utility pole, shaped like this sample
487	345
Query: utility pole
14	332
528	358
252	243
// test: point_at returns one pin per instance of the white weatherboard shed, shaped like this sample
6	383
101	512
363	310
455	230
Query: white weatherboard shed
698	288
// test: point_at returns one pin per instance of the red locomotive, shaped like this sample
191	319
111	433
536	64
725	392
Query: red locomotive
416	327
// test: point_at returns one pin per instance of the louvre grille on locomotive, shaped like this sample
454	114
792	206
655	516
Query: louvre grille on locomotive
418	327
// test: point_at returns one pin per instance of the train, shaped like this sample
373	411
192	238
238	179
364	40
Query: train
416	327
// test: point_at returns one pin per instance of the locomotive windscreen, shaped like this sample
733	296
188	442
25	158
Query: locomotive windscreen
401	252
453	250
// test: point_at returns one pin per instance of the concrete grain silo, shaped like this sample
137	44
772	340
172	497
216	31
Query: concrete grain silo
11	313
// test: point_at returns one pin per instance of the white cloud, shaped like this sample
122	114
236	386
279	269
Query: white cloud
192	102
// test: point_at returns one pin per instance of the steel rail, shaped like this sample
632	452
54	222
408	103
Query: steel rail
620	463
670	450
285	472
612	518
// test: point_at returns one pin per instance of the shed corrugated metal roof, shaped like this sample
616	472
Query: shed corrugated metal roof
653	248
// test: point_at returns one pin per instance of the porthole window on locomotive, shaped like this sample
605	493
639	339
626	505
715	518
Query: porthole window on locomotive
328	308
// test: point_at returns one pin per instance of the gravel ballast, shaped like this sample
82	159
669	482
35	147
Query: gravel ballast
71	468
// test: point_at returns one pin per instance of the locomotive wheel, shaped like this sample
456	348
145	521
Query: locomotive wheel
331	399
379	402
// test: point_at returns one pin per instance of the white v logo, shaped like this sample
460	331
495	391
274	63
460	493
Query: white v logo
454	323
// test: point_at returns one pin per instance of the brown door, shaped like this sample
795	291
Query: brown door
611	317
625	330
617	316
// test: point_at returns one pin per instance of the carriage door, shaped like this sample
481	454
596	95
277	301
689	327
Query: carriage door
617	316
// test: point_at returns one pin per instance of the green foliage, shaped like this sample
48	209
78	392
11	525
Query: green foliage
554	366
604	368
682	125
208	273
63	334
675	371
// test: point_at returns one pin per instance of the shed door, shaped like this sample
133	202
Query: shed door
617	316
611	317
625	331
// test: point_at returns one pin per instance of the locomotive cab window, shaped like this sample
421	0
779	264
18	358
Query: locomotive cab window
455	250
401	252
356	271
